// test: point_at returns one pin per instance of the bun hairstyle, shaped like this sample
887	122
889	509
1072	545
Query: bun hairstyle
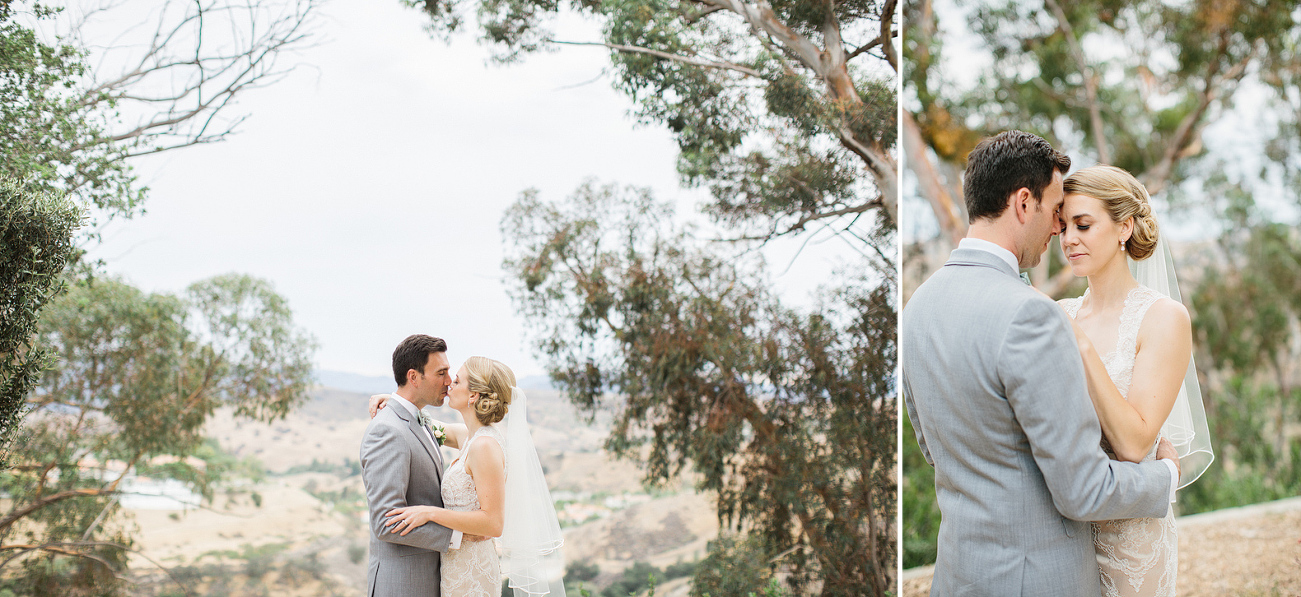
492	381
1124	198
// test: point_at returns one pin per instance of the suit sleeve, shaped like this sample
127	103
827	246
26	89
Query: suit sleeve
386	470
1043	376
912	416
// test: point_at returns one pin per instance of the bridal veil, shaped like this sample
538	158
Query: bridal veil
530	537
1186	426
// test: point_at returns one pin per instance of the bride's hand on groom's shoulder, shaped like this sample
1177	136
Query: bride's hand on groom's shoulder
377	402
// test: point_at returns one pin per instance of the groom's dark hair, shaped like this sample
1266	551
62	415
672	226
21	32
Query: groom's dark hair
413	353
1002	165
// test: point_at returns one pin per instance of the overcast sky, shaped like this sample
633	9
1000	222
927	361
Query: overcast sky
369	186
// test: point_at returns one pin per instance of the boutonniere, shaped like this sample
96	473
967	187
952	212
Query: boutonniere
435	428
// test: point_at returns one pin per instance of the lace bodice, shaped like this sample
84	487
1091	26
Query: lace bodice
1120	360
1137	557
459	492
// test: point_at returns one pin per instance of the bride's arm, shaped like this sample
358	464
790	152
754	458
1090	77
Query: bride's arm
456	432
487	464
1165	345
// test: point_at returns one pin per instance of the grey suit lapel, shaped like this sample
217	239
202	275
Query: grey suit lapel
414	425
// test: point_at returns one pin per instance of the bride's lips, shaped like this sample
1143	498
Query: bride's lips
1074	256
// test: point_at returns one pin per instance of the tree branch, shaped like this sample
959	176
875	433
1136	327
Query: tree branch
691	19
762	17
55	548
887	35
803	221
22	512
1156	178
204	81
63	549
882	168
868	46
1090	82
667	56
946	213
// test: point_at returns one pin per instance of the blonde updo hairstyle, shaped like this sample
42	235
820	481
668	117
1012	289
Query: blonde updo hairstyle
1124	198
492	381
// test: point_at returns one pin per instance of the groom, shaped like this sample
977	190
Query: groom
401	466
995	388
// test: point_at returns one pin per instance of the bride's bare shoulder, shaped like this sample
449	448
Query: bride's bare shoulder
486	449
1167	317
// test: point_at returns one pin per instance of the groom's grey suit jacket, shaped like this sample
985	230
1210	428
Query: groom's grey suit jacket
402	467
995	388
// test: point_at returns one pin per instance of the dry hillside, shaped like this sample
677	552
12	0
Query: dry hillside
302	529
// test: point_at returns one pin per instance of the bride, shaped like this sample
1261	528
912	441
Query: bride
1135	338
495	488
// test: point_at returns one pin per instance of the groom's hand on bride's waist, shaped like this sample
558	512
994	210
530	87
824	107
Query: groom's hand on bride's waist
1166	450
468	538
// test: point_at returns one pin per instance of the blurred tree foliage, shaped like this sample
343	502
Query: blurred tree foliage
1248	323
1136	83
786	110
736	566
1132	83
789	416
36	244
136	377
921	513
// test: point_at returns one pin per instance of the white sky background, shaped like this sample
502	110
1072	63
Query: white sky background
369	186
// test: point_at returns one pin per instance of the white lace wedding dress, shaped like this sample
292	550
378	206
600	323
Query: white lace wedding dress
1137	557
474	570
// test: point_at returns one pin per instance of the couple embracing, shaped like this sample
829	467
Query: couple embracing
1059	431
432	526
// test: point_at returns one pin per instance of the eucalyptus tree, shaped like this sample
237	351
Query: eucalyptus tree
136	377
787	416
785	110
36	244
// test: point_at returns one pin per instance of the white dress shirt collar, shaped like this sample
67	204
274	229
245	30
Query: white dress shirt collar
411	408
988	247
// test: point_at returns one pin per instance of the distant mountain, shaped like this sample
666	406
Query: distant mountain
535	382
370	384
353	382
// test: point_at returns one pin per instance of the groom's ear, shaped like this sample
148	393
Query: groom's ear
1021	204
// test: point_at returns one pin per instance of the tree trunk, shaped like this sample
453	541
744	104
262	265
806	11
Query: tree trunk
928	182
